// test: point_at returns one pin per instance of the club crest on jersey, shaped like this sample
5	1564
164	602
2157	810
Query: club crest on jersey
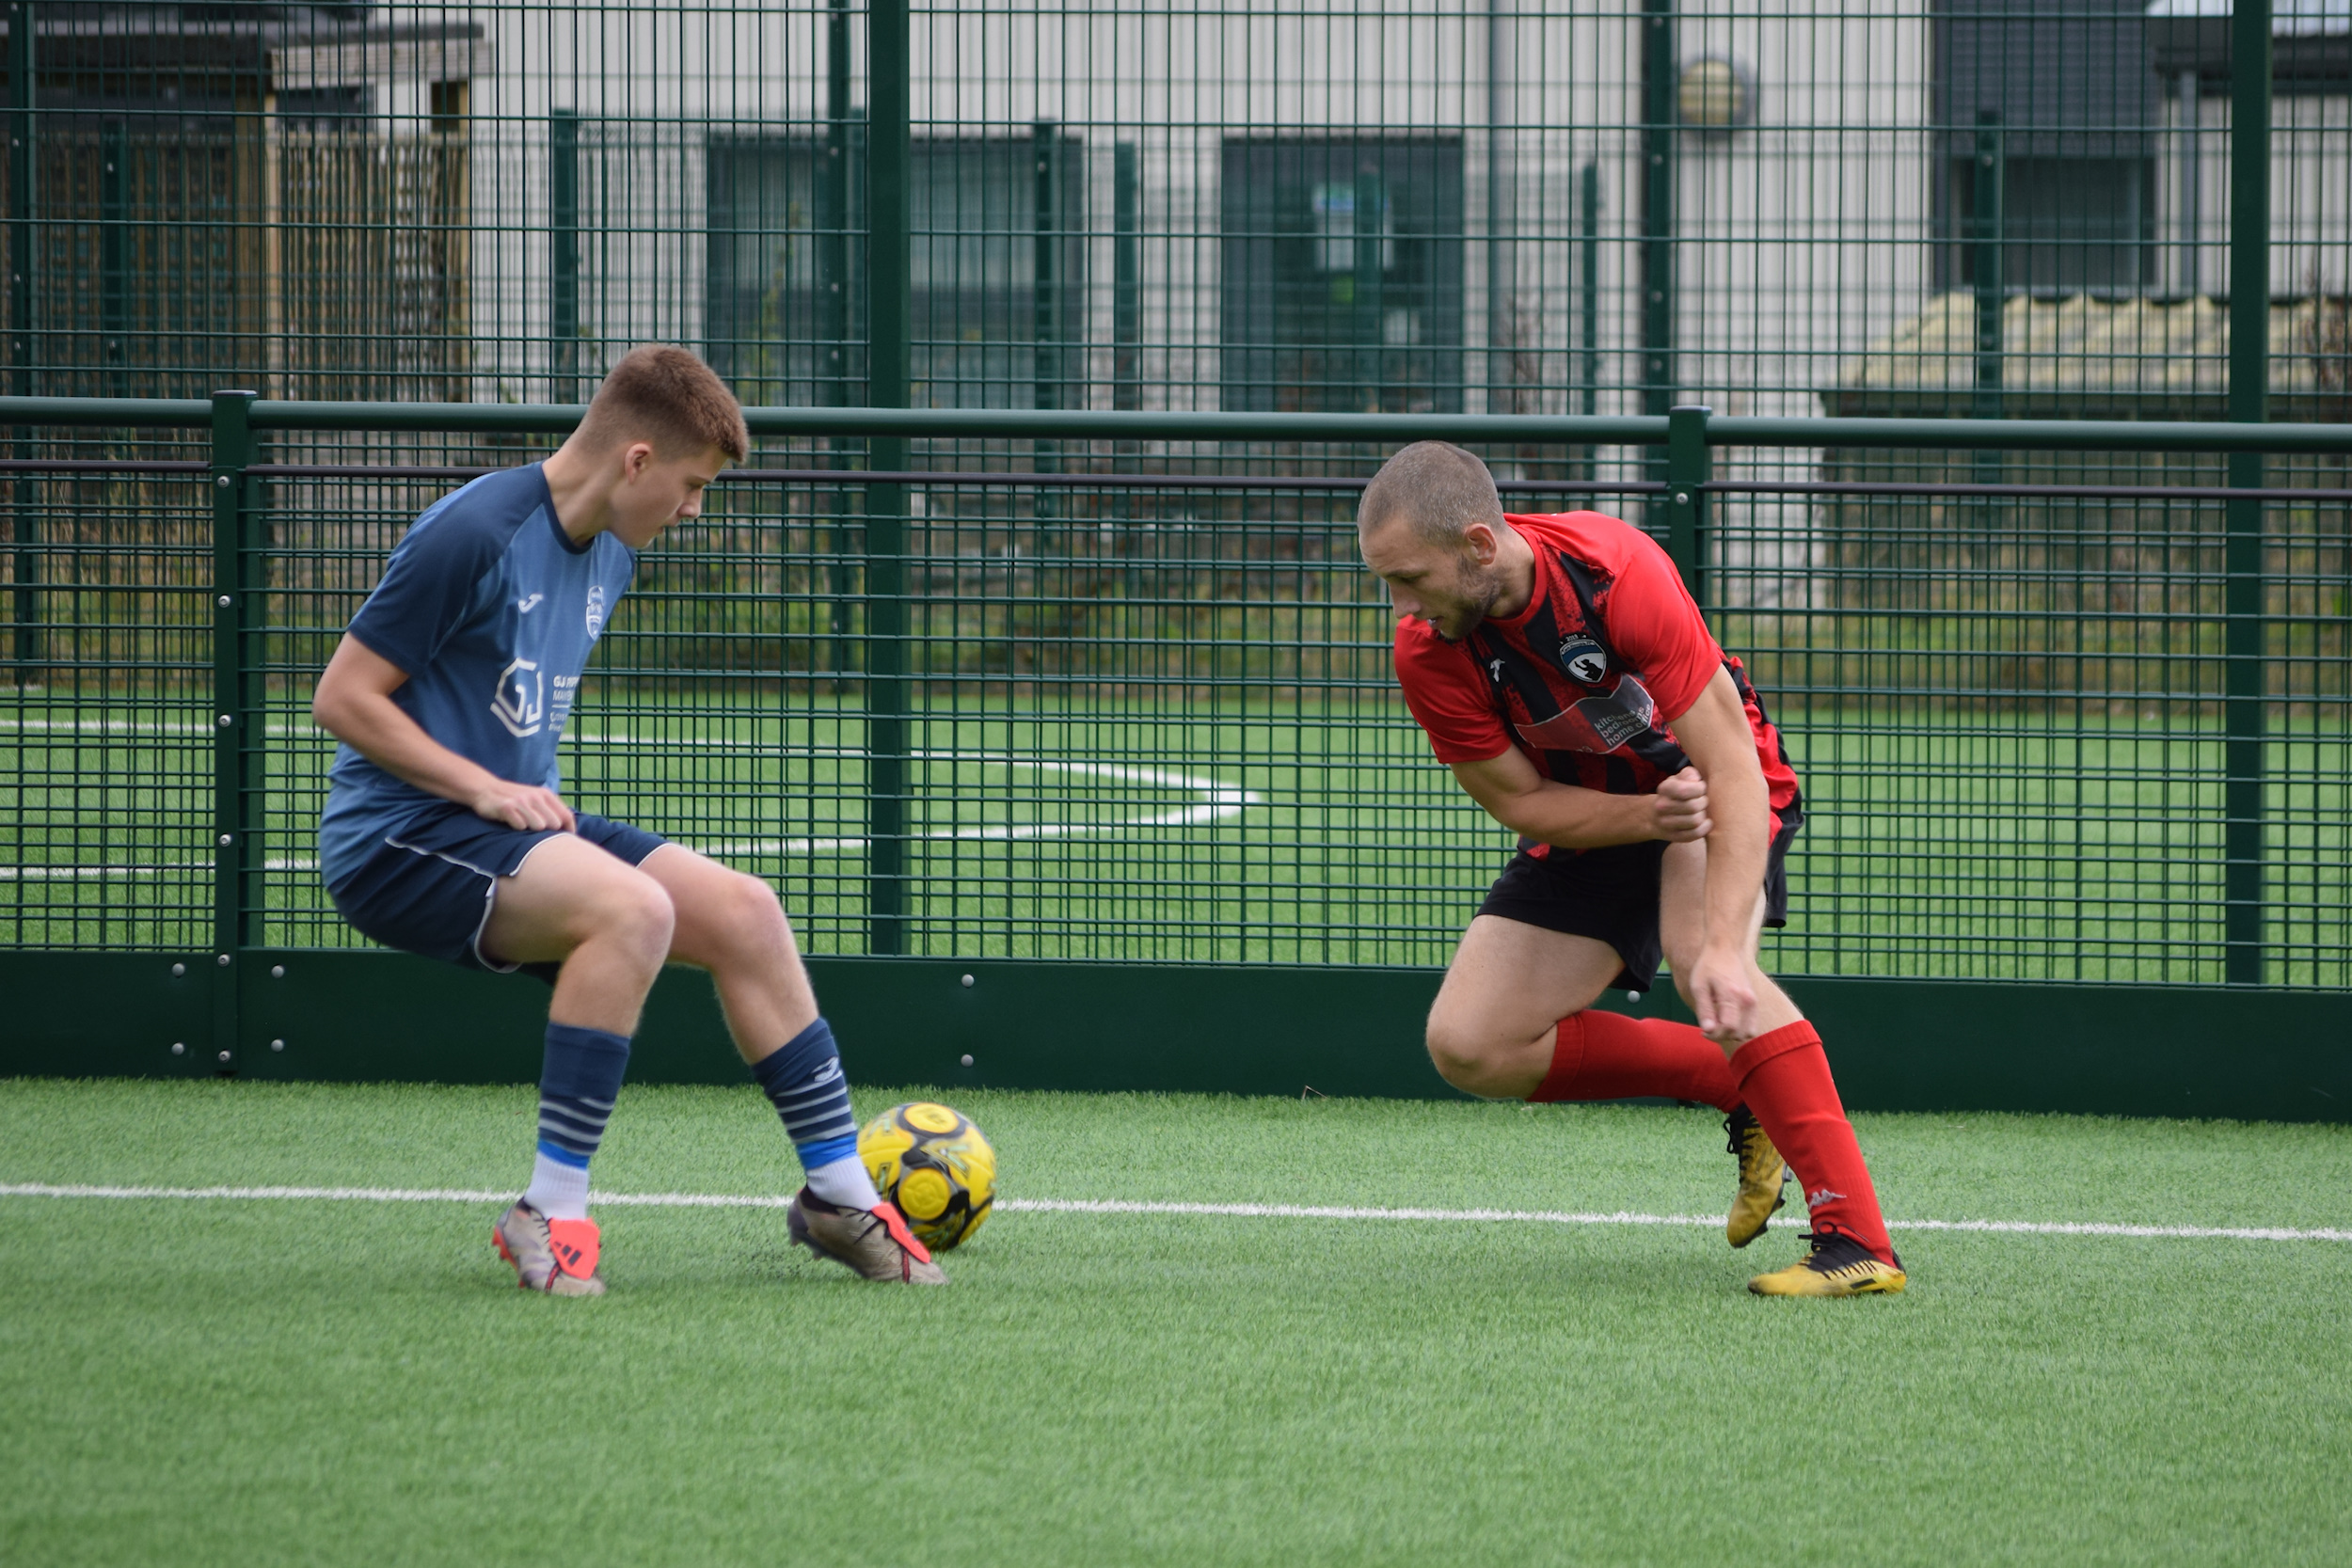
1582	659
521	702
596	609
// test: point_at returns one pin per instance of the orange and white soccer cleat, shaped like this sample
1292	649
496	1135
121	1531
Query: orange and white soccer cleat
556	1257
875	1243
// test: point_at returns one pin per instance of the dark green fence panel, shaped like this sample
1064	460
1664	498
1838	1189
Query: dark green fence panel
1149	743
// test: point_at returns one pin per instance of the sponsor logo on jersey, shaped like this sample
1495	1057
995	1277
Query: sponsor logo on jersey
596	609
1602	724
525	607
521	699
1582	659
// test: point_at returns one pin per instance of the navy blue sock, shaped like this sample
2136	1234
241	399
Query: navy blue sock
804	1083
577	1084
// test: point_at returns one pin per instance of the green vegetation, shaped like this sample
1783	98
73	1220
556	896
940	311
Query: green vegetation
265	1382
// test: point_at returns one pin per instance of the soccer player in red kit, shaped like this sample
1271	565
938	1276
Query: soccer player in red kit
1564	673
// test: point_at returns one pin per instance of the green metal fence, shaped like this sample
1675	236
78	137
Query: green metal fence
1959	207
1136	713
1031	634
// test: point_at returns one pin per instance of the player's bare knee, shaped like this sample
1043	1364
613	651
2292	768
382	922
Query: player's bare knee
636	917
1462	1056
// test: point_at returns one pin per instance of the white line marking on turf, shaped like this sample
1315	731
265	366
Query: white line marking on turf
1217	801
1115	1206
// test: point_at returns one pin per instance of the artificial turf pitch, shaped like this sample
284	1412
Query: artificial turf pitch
254	1381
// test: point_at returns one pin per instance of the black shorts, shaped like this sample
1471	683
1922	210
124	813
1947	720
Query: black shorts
428	889
1611	895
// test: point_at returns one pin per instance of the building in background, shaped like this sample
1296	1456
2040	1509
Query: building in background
1601	208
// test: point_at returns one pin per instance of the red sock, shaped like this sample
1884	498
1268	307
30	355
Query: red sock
1608	1057
1784	1079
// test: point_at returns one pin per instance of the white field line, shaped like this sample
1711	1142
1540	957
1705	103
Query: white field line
1114	1205
1217	801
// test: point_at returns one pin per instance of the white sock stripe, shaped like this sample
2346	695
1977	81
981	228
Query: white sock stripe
592	1126
823	1094
1115	1206
602	1107
805	1127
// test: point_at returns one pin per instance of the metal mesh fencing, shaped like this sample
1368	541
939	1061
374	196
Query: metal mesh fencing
1143	710
1967	207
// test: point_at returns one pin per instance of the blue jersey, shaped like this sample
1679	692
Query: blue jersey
491	609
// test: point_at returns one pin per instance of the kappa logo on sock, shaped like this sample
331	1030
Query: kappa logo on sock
1824	1195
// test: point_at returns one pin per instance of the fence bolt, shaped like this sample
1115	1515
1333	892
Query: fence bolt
278	972
967	1058
222	720
224	839
222	601
179	1047
222	960
224	1055
967	981
178	970
222	481
278	1045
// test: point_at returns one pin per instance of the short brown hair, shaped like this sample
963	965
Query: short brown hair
1437	487
663	394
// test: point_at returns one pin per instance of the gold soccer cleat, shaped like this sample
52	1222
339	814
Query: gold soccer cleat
1837	1266
1761	1170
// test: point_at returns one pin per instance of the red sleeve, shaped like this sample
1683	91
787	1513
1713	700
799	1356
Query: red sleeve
1659	630
1448	700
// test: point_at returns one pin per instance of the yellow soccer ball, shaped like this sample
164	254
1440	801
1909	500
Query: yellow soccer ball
932	1164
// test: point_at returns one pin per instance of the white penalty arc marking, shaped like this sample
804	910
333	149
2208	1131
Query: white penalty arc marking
1215	801
1113	1206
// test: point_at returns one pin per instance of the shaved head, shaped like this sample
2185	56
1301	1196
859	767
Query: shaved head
1437	488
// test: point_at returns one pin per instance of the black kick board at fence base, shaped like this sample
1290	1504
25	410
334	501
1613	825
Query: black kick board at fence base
1897	1045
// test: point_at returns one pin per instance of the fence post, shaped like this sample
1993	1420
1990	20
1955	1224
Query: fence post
1658	369
26	655
564	253
1986	220
2249	402
888	352
235	731
1690	463
1045	321
1126	276
833	329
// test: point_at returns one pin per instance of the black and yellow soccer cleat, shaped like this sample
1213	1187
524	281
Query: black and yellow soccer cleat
1837	1266
1761	1170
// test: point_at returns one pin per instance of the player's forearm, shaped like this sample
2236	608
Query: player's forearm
1571	817
1736	854
381	731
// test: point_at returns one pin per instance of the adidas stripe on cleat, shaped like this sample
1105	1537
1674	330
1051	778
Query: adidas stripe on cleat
556	1257
1761	1173
877	1242
1837	1266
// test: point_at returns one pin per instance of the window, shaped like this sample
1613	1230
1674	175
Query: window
997	262
2069	225
2076	102
1342	274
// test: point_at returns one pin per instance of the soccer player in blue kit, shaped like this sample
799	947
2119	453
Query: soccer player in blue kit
446	832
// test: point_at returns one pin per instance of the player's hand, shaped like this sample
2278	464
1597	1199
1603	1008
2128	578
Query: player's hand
1723	997
525	806
1678	810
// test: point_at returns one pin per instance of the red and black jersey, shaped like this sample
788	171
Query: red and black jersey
1588	677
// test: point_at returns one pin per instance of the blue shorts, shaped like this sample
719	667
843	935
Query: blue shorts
427	888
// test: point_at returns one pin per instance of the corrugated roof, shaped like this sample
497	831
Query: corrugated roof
2101	358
